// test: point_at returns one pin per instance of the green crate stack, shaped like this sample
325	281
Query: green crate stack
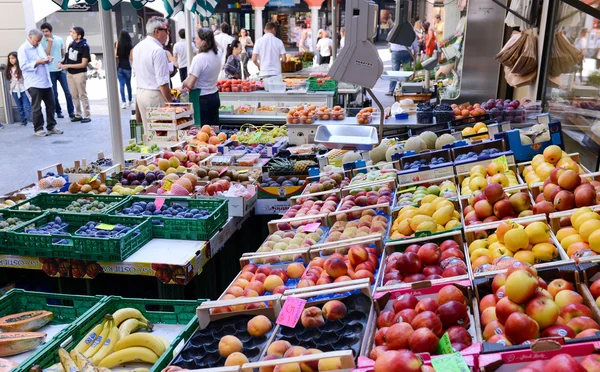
67	309
80	247
136	130
185	228
181	312
58	202
328	85
24	216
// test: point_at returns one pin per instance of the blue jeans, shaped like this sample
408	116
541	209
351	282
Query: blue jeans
24	106
399	57
125	80
61	77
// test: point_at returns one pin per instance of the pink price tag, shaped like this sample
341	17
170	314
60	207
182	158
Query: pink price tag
311	227
158	202
291	311
223	170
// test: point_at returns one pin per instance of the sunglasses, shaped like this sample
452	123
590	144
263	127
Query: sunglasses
163	29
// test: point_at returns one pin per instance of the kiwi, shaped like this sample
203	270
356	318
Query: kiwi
226	178
235	175
228	173
213	174
201	172
242	177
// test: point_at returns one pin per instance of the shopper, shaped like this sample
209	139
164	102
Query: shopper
55	47
33	62
439	29
269	52
203	75
342	37
429	39
233	66
420	32
180	55
325	47
75	62
581	44
151	67
306	39
123	53
223	40
247	45
319	36
400	56
17	87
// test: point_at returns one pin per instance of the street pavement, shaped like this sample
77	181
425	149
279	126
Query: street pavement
23	153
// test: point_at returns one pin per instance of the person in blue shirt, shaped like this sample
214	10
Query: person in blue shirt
33	62
55	47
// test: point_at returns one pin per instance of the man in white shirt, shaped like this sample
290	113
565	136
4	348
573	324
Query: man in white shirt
223	39
324	46
267	52
151	67
180	55
33	62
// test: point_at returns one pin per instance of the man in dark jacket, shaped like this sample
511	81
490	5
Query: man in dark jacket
75	62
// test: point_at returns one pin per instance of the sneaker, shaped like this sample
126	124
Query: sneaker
75	118
41	133
71	115
123	105
130	103
23	123
55	131
389	94
60	116
86	120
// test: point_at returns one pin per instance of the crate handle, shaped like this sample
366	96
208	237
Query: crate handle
66	342
65	302
69	244
164	308
59	170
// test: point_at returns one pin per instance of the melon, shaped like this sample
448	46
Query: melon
396	149
26	321
541	138
13	343
429	137
525	140
442	140
415	144
378	153
351	157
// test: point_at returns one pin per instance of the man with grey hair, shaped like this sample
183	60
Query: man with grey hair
33	62
151	67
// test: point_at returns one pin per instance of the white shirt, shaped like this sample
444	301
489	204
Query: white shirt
223	40
206	67
269	50
342	42
324	46
34	76
180	48
151	64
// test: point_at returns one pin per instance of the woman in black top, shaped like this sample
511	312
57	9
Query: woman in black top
233	67
123	52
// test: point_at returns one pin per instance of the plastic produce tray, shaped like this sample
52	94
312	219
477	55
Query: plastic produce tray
58	202
185	228
328	85
80	247
180	312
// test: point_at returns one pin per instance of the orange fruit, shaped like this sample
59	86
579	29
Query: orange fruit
202	136
214	140
206	129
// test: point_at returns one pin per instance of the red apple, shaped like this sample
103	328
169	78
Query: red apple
450	293
459	335
558	285
386	362
406	316
498	281
563	363
520	286
432	270
427	304
519	328
409	263
429	320
558	330
380	336
591	362
405	301
423	340
483	209
500	339
543	310
397	336
574	310
453	313
493	192
503	208
429	253
452	252
385	319
595	288
505	307
581	323
447	244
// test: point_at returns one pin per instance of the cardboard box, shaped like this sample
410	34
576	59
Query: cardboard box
172	125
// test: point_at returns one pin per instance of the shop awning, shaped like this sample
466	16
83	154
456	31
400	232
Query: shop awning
106	4
204	8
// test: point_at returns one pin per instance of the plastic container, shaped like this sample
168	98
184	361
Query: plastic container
245	110
442	116
275	87
424	117
317	84
248	160
364	118
173	312
221	160
58	202
308	119
324	115
338	114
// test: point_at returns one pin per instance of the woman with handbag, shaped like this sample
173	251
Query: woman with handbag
247	45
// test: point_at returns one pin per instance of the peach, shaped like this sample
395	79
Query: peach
312	365
290	367
330	364
295	270
259	326
312	317
488	315
256	286
272	282
305	283
294	351
260	277
335	267
242	283
235	291
519	328
357	255
229	345
236	359
246	275
263	269
364	274
269	368
280	273
280	289
278	348
334	309
249	293
505	307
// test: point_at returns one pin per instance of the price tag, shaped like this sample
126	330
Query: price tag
105	226
450	363
158	202
243	171
311	227
223	170
501	160
168	183
445	346
94	178
291	311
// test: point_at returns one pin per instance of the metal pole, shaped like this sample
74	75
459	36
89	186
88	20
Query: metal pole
334	29
189	36
114	113
314	25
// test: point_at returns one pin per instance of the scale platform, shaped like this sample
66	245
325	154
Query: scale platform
396	75
347	137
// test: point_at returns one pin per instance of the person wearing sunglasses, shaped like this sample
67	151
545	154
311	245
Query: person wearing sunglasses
151	66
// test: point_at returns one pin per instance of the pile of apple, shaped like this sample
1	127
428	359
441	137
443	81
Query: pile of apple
425	262
523	308
531	244
417	325
542	165
565	190
564	363
595	291
365	198
307	208
580	235
280	241
360	262
446	189
391	359
493	204
480	176
369	222
435	214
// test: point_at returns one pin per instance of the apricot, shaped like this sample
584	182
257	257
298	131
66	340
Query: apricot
236	359
294	351
330	364
278	348
229	345
311	365
269	368
312	317
295	270
290	367
259	326
256	286
334	309
335	267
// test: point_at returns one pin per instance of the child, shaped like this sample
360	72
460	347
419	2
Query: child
233	67
17	87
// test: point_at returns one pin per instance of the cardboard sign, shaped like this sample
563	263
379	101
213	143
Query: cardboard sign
311	227
502	161
291	311
450	363
105	226
158	202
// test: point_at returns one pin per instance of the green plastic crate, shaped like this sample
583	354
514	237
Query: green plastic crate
185	228
182	312
24	216
67	309
80	247
58	202
168	356
136	130
328	85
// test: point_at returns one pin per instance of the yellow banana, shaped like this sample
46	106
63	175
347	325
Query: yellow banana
87	341
140	370
79	359
132	354
141	339
99	341
164	341
131	325
102	369
66	361
109	345
89	367
55	368
123	314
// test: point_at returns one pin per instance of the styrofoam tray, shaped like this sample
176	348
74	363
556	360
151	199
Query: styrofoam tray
167	251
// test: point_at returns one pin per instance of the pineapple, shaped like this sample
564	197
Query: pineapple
303	165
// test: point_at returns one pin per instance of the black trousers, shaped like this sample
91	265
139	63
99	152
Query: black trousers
182	73
209	109
47	96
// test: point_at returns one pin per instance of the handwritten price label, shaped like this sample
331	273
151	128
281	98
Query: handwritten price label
158	203
167	185
445	346
311	227
291	311
450	363
223	170
105	226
